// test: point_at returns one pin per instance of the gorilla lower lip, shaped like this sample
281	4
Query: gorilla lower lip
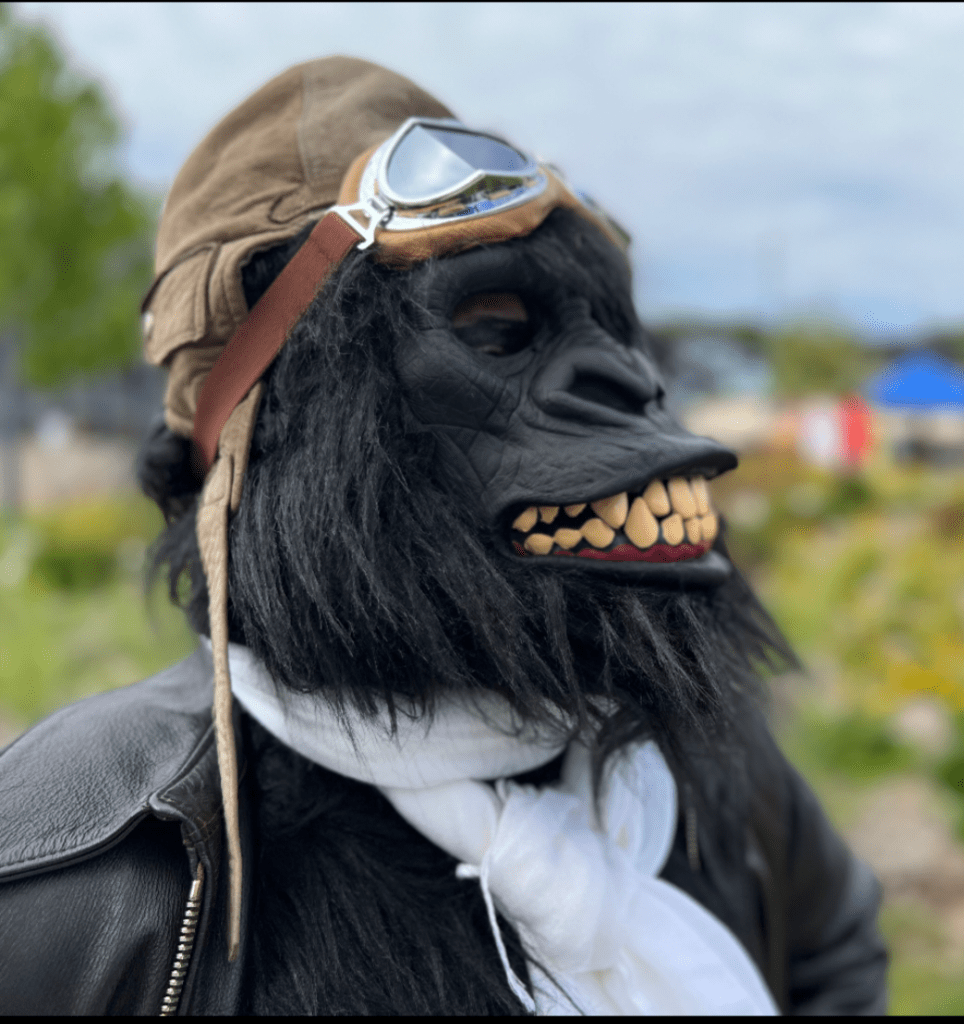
657	553
671	521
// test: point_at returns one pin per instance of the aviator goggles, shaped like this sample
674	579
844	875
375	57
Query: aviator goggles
434	186
435	171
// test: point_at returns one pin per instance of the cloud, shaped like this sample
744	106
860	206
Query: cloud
705	128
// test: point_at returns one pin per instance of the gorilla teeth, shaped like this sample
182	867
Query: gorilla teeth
538	544
694	531
671	512
527	520
598	533
701	495
641	527
656	497
681	497
612	511
672	527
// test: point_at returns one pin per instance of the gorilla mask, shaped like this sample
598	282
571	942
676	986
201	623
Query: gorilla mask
551	418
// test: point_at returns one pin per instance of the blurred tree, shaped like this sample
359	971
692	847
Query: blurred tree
813	357
76	251
806	358
752	338
948	343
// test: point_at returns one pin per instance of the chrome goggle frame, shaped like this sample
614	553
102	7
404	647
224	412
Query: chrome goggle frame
480	192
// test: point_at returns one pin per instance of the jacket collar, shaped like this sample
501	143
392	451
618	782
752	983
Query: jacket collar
80	780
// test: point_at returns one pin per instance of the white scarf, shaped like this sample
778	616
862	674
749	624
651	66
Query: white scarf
583	893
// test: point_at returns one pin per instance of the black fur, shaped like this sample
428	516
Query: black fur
358	913
355	570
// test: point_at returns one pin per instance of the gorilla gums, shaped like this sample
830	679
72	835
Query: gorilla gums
497	743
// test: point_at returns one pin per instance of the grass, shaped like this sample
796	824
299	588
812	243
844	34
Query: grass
865	575
919	985
73	615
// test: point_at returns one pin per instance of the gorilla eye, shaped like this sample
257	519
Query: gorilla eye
496	323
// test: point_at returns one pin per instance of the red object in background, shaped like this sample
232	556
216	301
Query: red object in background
856	434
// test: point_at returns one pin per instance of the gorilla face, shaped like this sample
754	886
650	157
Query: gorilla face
549	410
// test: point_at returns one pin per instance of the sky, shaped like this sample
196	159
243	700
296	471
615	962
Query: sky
770	160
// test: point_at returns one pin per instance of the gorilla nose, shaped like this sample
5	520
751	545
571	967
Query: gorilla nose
598	385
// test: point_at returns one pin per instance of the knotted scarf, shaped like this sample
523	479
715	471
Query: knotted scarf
576	877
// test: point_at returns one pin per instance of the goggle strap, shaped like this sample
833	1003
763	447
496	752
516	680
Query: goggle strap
258	340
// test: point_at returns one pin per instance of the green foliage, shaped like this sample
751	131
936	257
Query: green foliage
919	990
918	983
848	495
77	239
807	357
863	573
949	521
949	770
811	357
74	568
753	339
73	615
83	546
949	343
857	745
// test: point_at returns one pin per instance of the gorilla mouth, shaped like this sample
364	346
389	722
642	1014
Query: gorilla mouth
669	521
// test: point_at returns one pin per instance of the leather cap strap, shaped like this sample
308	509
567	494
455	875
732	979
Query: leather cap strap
258	340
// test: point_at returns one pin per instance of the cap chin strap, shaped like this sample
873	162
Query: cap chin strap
221	495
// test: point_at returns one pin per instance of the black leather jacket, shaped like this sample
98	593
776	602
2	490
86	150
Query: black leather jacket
110	812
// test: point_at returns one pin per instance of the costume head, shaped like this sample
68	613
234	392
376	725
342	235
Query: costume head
524	364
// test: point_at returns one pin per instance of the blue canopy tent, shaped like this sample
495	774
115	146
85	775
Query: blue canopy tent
920	380
919	385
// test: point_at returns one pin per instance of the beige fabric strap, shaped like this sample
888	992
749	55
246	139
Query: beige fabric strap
222	495
212	534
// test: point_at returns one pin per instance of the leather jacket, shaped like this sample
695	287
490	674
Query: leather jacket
113	896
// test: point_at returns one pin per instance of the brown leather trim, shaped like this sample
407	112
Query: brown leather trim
258	340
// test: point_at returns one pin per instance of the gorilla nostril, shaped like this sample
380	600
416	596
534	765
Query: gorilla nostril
603	390
597	384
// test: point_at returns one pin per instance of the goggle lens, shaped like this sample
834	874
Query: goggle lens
429	161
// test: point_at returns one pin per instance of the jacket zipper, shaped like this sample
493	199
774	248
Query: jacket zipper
185	946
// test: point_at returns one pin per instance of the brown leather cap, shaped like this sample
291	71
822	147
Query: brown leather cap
258	177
